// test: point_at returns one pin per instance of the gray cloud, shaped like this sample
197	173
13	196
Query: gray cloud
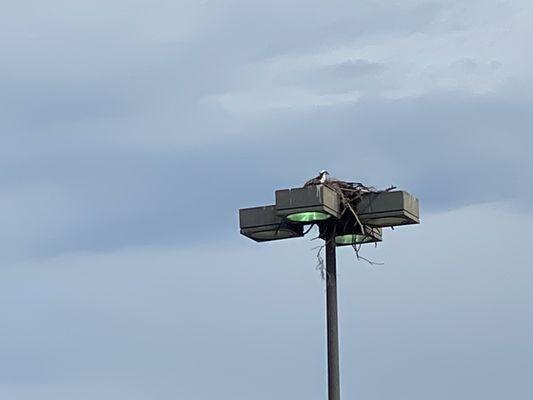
448	148
338	78
130	134
191	322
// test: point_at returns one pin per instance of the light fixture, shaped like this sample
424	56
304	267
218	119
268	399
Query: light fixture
308	204
262	224
349	231
371	235
384	209
338	225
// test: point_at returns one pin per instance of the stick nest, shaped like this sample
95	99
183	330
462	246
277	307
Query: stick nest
349	193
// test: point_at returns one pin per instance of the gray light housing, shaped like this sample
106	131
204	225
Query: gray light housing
262	224
317	198
385	209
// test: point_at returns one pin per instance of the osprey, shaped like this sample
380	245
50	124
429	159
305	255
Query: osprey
321	178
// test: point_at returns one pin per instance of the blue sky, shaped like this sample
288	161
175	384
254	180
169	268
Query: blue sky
131	132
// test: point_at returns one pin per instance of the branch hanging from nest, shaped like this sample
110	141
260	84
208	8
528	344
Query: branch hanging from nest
320	261
356	248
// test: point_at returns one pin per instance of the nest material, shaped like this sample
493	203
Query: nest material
349	193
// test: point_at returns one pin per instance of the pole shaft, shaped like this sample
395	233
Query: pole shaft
332	320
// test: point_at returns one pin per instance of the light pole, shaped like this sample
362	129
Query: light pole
332	320
346	214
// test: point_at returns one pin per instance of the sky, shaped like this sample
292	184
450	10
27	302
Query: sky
131	132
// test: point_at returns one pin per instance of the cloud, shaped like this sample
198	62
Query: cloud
144	131
191	321
448	149
454	52
132	132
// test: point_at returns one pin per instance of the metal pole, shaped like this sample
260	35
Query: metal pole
332	320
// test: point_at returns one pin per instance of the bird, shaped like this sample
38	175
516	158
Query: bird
318	180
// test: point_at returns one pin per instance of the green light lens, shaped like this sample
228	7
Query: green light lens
310	216
352	239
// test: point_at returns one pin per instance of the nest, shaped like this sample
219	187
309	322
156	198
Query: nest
349	193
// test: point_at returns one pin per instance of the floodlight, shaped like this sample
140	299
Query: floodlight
339	225
348	231
384	209
262	224
371	235
308	204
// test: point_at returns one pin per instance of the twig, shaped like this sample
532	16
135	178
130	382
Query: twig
360	257
320	261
